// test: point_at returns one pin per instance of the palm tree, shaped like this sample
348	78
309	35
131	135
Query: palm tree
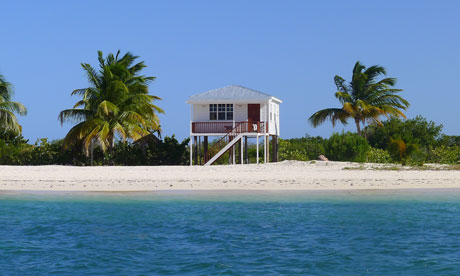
116	104
364	99
8	108
402	150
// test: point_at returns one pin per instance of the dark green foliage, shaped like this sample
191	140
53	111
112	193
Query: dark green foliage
41	153
13	138
449	141
347	147
378	156
403	152
11	154
302	149
445	155
252	153
14	150
413	131
54	153
339	147
166	152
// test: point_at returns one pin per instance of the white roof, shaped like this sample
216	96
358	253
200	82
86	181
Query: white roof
232	93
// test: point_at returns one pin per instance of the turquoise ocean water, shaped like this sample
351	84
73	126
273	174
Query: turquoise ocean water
231	233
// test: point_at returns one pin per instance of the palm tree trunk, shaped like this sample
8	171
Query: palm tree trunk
112	145
92	151
358	126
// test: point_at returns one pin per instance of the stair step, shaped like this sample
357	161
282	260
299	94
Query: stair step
224	149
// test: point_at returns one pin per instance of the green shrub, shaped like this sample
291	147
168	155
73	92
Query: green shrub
162	152
11	154
14	150
347	147
301	149
445	155
378	156
405	152
300	155
449	140
412	131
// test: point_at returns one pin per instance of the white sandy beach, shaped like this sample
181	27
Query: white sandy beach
287	175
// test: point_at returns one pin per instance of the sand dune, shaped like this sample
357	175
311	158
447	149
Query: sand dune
287	175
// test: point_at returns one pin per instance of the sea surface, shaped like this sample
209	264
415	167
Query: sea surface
231	233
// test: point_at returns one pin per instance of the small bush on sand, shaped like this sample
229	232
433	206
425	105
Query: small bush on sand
347	147
444	155
378	156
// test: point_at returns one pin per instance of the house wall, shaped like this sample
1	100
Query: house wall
263	112
274	119
240	113
200	113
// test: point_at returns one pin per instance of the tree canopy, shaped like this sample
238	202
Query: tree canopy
364	99
9	109
117	104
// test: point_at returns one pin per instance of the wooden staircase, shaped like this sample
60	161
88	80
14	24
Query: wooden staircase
225	143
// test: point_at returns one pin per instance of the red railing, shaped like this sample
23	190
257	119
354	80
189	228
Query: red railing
226	127
240	127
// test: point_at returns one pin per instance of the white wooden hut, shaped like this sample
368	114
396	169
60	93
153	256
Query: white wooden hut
234	114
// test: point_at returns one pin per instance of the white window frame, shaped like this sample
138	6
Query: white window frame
226	109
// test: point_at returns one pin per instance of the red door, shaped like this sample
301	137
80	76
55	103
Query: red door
253	116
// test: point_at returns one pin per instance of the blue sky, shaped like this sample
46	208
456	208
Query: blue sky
290	49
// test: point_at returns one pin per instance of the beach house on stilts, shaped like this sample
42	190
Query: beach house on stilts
231	115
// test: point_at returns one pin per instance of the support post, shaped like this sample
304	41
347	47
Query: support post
246	155
199	150
241	151
234	154
275	148
230	151
257	149
191	150
196	150
268	148
205	145
265	149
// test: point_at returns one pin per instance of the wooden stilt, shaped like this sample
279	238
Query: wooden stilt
199	150
241	151
234	154
196	149
275	148
205	146
268	148
265	149
246	155
191	150
257	150
230	152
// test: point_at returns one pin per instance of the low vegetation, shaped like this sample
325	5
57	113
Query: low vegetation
15	150
406	141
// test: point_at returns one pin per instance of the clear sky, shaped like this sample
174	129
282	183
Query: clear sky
290	49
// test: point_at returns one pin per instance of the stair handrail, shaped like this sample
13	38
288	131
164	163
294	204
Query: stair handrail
229	133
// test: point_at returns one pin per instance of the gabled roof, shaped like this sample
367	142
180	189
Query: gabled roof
232	93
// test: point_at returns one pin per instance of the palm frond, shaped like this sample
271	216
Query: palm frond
333	114
15	107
